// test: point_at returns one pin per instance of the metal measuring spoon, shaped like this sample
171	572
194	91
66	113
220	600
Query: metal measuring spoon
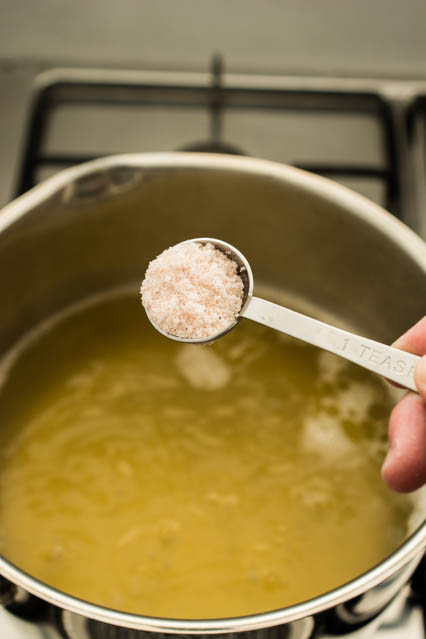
392	363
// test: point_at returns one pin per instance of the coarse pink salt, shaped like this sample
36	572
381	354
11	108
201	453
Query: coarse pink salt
192	290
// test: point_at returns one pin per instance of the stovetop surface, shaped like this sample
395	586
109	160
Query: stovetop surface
367	134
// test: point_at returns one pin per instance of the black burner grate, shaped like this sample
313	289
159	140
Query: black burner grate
219	94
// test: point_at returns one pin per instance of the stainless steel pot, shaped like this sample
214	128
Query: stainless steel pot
95	227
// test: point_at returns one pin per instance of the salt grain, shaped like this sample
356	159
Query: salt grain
192	291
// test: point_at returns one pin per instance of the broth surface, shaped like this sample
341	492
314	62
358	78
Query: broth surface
191	481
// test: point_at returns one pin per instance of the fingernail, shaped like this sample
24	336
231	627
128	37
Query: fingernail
420	375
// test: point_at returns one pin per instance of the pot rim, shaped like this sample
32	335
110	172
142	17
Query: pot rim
321	187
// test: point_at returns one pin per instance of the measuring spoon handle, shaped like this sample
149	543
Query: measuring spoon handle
390	362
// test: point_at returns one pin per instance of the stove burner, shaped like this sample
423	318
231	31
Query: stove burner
213	147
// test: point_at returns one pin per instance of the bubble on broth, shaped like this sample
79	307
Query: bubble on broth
323	436
202	368
353	402
330	367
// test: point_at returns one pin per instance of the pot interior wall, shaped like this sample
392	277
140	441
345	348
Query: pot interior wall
101	231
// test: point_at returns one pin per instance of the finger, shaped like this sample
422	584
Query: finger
404	468
414	340
420	377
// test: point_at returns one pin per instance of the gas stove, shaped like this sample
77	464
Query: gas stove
369	135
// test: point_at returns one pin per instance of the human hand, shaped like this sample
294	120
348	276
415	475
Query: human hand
404	468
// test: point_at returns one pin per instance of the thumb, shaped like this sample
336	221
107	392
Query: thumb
420	377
